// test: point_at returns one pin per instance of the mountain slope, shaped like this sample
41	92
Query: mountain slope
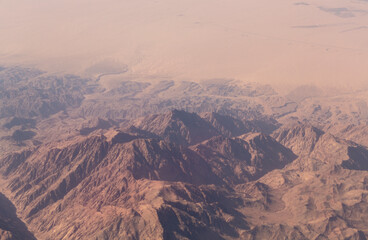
11	227
178	127
129	180
245	158
317	149
228	126
152	181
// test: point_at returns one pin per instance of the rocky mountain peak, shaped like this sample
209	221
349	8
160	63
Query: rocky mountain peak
300	138
178	127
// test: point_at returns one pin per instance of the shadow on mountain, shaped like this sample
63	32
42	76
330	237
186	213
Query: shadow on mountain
20	135
11	227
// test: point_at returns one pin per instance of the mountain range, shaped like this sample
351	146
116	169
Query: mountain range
178	160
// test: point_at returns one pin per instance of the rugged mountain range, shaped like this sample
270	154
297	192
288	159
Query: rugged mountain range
241	163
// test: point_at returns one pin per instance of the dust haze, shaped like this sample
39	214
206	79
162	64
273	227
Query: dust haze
284	43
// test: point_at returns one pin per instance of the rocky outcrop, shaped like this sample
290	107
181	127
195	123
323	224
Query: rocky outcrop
25	93
245	158
317	149
229	126
178	127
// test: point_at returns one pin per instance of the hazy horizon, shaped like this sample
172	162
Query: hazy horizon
281	43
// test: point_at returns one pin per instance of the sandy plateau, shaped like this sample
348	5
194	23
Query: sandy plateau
286	43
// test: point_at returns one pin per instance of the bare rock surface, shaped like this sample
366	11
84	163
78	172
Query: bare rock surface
162	159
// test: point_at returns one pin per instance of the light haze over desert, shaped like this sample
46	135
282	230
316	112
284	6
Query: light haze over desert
285	43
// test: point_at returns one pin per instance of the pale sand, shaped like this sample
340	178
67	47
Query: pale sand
281	42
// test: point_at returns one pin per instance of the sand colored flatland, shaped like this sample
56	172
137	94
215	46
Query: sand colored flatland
282	42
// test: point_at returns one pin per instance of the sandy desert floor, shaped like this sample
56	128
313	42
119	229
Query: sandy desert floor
281	42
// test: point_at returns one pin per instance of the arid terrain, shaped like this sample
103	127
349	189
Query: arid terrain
288	42
183	120
82	158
